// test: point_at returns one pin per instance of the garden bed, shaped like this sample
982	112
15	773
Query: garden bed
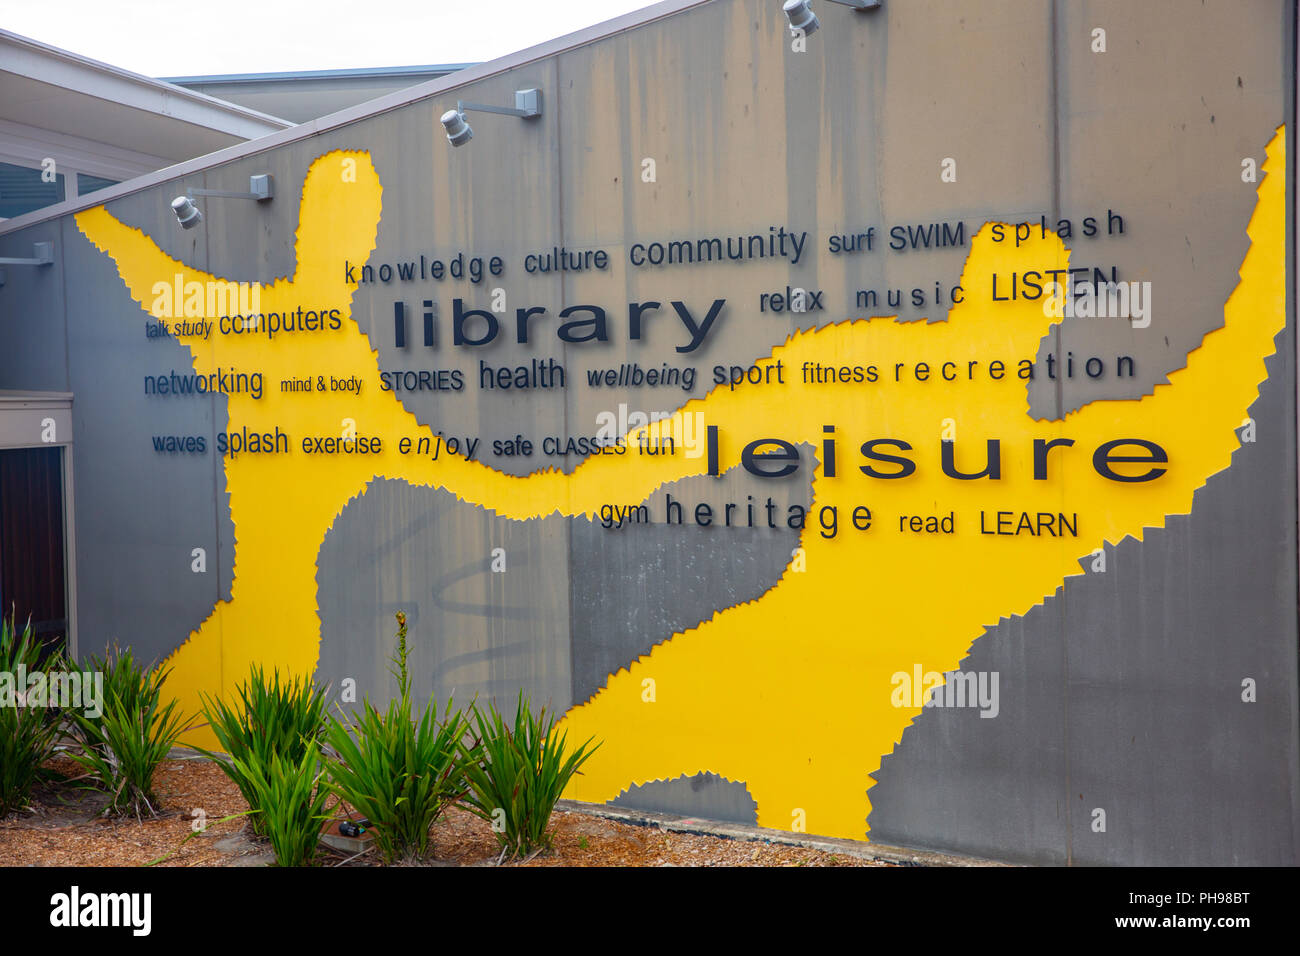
62	828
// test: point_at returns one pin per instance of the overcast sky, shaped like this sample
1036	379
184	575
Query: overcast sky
189	37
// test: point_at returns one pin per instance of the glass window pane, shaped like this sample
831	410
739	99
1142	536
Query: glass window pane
22	190
88	184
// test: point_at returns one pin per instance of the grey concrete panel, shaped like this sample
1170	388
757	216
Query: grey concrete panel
703	795
979	785
428	213
1141	756
1132	137
1124	692
473	633
139	513
1179	761
637	586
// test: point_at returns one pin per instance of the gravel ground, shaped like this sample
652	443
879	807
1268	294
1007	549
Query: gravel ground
62	828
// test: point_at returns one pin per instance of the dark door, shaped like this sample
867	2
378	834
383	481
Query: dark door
32	580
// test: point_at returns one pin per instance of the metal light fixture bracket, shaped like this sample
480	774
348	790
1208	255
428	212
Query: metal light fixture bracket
528	104
42	255
260	188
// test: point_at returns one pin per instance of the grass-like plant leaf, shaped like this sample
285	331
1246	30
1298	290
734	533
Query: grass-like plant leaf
28	728
122	748
270	717
399	771
290	795
520	774
123	680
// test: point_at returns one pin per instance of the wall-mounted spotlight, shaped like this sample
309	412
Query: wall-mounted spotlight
42	255
801	17
186	212
260	188
458	131
528	104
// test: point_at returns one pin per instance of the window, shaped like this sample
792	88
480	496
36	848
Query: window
22	190
88	184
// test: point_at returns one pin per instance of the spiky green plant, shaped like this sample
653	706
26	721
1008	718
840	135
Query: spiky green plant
397	770
28	727
123	680
270	717
122	748
290	794
520	775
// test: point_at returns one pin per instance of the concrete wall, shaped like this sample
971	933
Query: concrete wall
1119	689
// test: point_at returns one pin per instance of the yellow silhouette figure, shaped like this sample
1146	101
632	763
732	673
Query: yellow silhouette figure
793	693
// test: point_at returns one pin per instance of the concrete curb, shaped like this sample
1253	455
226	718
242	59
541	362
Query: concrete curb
876	852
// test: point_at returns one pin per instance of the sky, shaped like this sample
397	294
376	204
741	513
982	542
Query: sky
197	37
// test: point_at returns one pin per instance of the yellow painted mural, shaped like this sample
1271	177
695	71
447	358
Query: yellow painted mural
795	693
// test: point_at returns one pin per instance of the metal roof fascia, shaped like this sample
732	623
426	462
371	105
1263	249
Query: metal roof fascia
43	50
360	73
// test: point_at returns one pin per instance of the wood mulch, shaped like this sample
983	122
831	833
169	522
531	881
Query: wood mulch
63	828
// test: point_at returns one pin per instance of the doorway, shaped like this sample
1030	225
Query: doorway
33	570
